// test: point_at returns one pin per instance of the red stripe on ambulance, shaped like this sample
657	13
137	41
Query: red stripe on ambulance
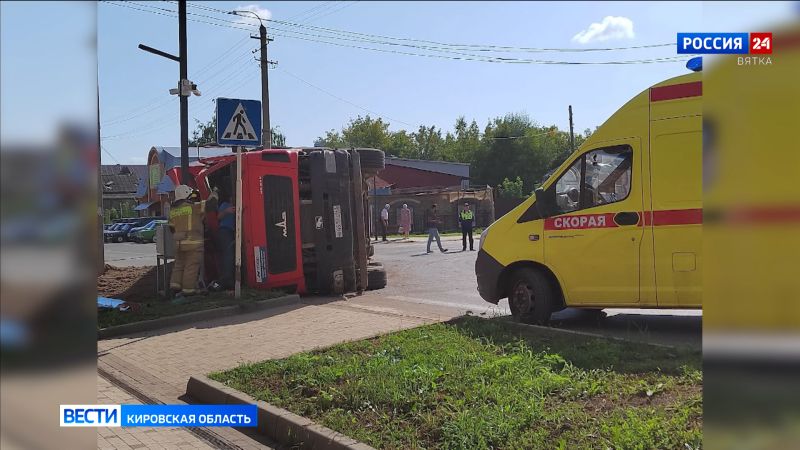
675	91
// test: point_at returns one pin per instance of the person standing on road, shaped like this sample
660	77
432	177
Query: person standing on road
466	218
405	220
384	221
186	222
432	222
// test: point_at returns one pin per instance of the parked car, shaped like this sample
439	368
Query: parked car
118	233
146	233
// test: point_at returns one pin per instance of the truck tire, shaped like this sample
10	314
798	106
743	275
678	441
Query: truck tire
372	160
376	278
531	297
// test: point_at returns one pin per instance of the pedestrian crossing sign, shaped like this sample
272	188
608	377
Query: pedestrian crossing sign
238	122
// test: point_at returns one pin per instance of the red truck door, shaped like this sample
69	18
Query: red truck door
272	256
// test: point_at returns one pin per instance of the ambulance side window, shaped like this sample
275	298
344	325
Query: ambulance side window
599	177
568	188
608	176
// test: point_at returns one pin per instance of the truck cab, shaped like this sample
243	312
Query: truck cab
618	224
303	216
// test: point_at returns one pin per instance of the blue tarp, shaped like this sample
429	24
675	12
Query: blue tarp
111	303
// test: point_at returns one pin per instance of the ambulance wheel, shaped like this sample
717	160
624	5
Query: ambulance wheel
376	278
530	297
372	160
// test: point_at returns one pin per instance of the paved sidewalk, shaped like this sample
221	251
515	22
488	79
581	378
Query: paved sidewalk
133	438
158	364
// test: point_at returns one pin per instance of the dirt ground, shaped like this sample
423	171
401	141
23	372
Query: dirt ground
132	284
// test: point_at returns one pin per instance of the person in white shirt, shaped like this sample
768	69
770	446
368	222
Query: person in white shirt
384	221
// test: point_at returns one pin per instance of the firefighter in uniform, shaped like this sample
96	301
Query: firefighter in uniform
467	220
186	222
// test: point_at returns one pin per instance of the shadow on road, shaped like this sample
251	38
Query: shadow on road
663	328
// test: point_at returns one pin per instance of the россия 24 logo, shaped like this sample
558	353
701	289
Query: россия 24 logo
725	43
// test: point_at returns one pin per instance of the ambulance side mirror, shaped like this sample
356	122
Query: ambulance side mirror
545	202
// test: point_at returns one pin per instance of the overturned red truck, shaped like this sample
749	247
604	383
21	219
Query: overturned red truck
305	216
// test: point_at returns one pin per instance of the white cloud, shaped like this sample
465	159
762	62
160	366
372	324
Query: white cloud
609	29
249	19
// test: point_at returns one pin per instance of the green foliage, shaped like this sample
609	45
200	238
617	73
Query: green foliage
476	384
510	146
511	189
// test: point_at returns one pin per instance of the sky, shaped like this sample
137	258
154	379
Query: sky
317	86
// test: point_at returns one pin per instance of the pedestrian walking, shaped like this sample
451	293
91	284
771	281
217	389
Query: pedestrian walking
432	222
186	222
384	221
466	218
405	220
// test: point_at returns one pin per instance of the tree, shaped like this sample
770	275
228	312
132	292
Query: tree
205	132
401	144
429	143
511	189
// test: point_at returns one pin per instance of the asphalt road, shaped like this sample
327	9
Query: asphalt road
127	254
443	285
448	280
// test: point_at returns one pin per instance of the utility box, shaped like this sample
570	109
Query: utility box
165	243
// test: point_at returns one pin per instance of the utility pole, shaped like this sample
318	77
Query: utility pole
266	130
184	99
571	131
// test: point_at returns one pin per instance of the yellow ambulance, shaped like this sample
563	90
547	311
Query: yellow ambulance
618	224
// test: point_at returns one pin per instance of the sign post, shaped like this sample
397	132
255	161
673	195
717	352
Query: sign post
238	125
237	290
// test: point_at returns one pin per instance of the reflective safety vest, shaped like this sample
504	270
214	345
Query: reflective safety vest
467	215
186	219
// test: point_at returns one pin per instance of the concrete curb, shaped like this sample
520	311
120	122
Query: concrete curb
196	316
276	423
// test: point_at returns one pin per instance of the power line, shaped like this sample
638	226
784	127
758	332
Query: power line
473	47
342	99
310	11
493	59
461	57
109	154
327	13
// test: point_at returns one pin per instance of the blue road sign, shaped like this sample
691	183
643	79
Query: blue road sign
238	122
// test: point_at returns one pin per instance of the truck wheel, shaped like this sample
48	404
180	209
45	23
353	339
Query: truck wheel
530	297
372	160
376	278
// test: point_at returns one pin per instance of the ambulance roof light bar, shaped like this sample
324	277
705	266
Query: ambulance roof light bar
695	64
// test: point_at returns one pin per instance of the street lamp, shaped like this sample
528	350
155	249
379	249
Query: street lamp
239	13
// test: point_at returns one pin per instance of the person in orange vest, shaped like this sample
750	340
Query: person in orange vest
186	222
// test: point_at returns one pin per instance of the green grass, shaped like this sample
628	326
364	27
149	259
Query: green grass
475	384
159	307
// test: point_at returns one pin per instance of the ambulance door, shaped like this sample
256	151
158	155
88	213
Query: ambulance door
676	218
592	243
